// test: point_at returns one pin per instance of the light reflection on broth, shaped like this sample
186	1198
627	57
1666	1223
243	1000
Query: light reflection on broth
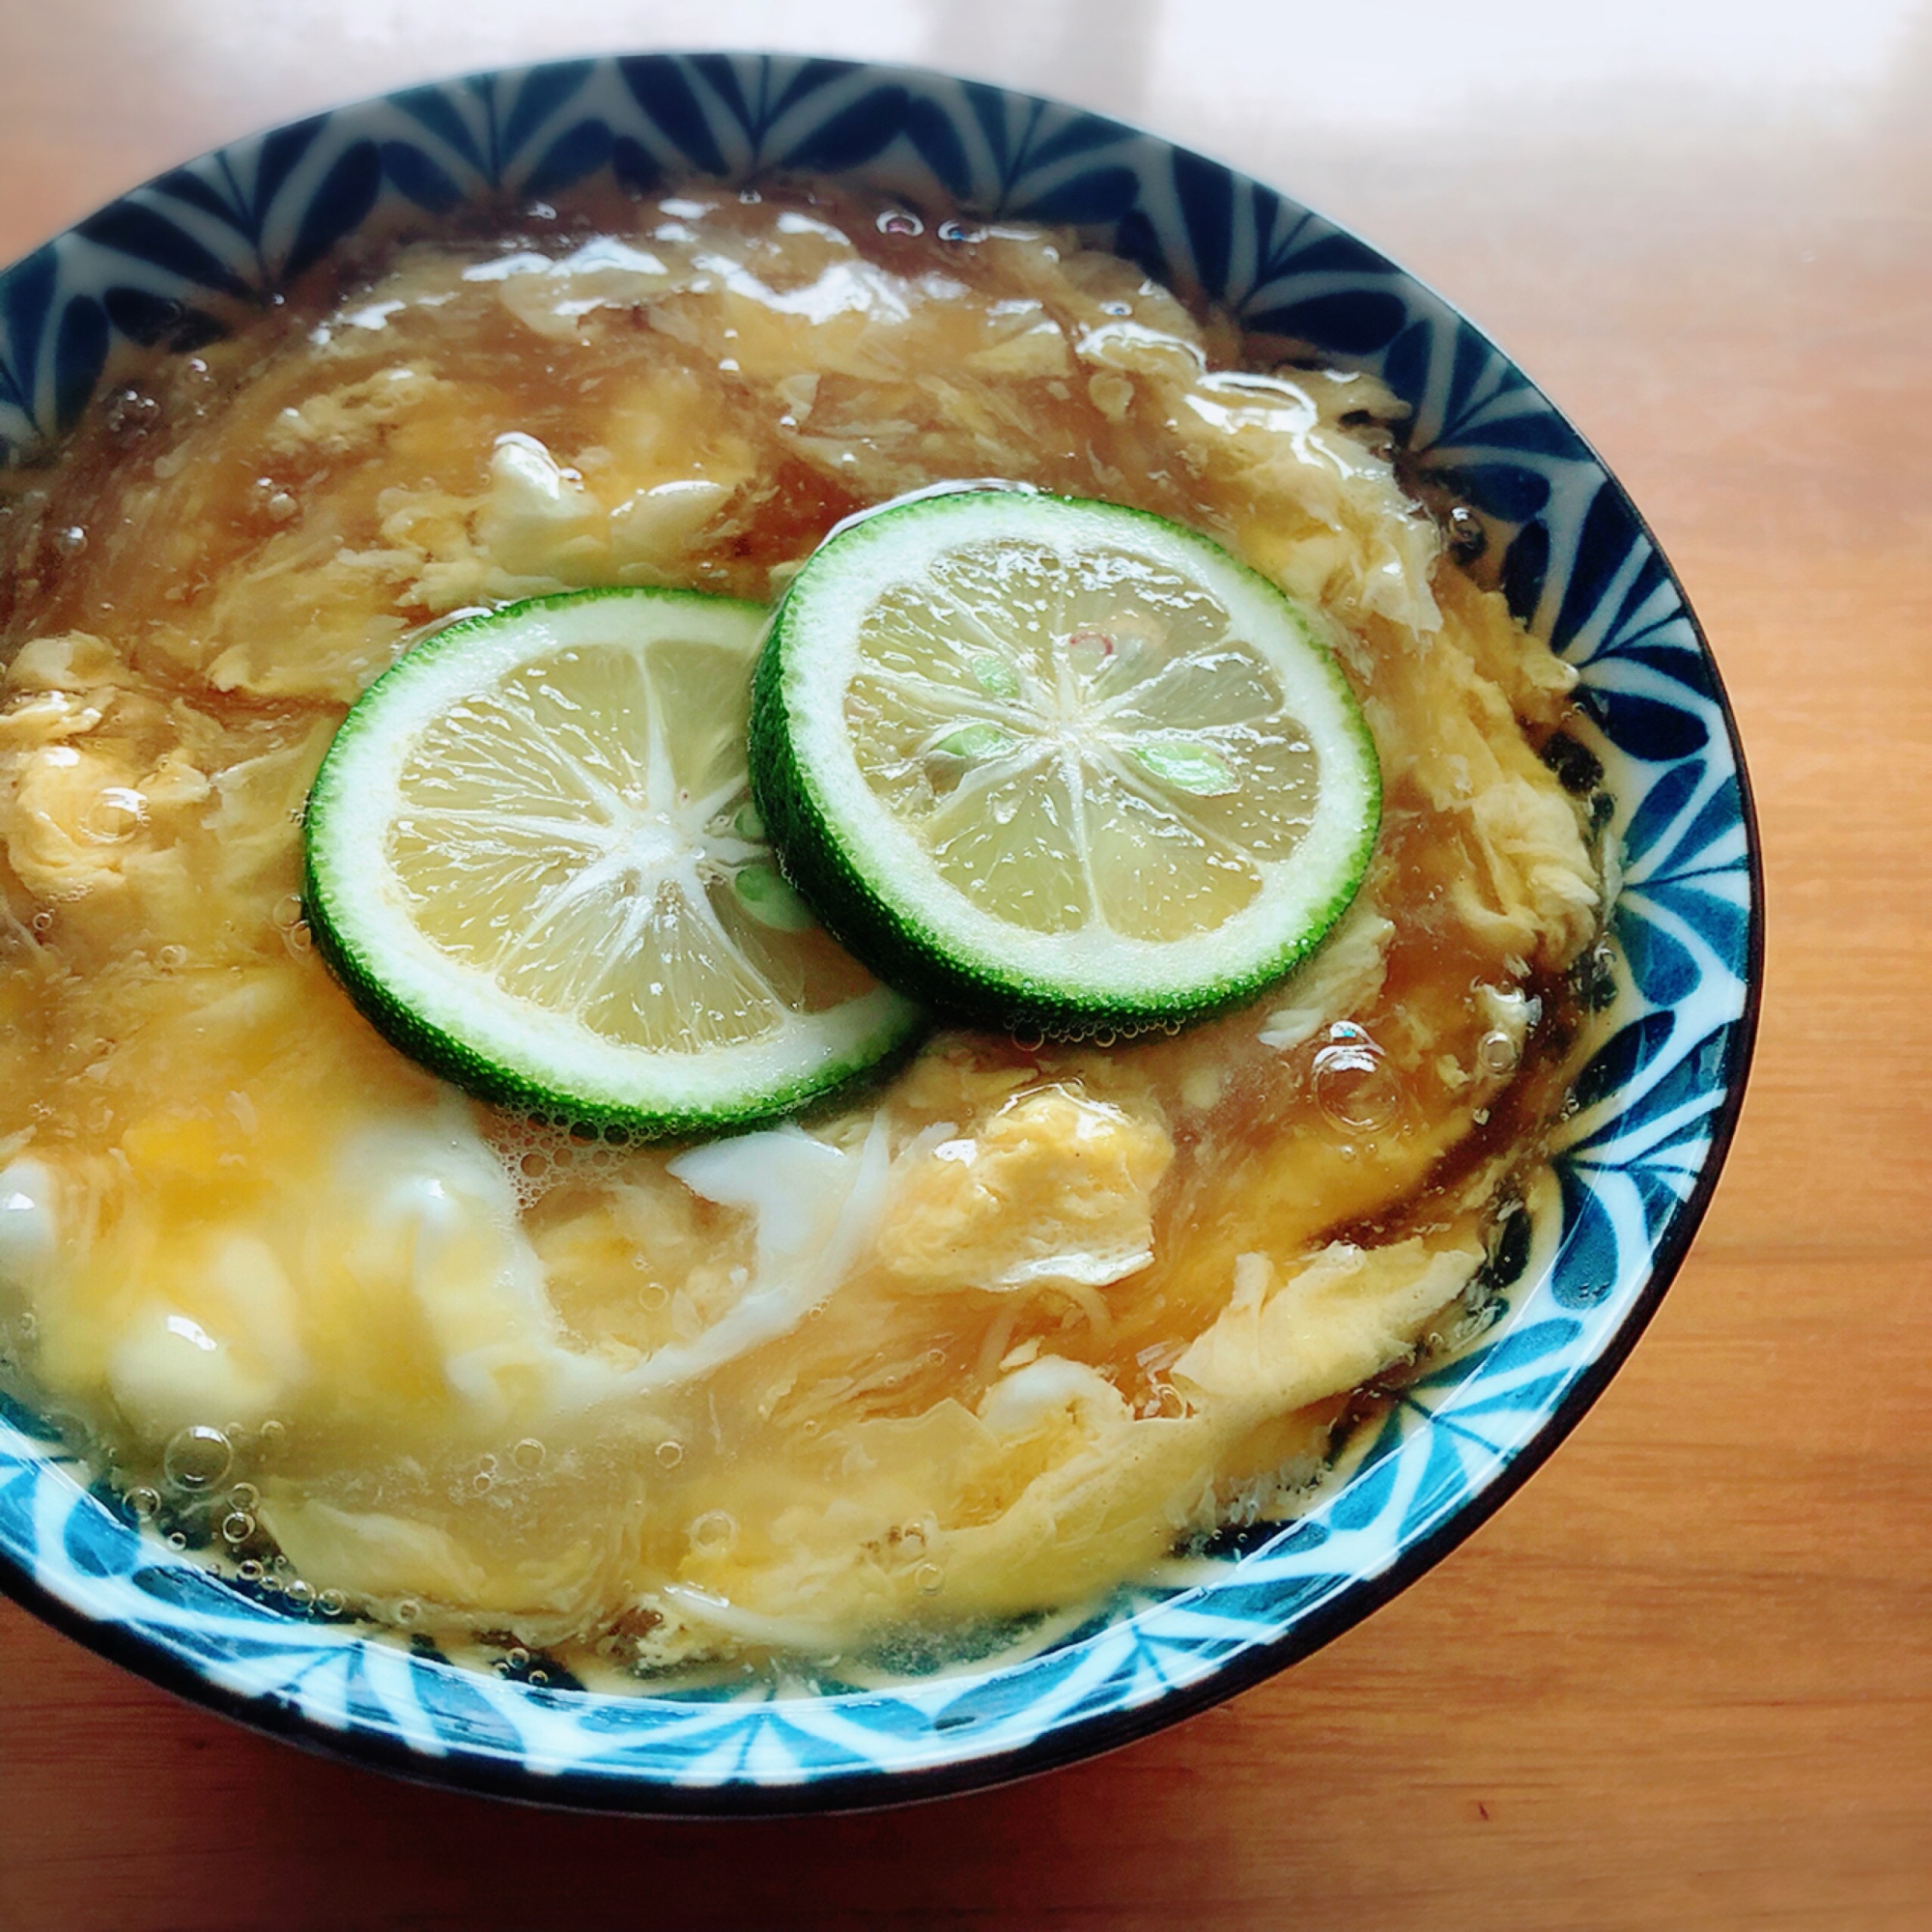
997	1334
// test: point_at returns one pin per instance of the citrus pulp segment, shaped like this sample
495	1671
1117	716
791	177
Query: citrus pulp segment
1059	763
532	859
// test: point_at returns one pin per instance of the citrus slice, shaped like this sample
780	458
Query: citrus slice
533	861
1058	764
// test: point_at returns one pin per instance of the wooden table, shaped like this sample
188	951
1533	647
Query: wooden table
1685	1679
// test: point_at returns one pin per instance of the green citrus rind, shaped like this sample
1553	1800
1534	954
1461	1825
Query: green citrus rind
899	926
438	1019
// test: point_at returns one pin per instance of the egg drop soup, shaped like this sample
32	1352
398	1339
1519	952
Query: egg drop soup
954	1354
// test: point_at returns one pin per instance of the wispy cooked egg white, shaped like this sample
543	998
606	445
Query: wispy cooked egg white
991	1338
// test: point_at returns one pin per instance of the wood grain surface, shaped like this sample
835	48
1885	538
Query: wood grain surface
1685	1678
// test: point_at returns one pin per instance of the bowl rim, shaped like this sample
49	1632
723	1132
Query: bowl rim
875	1786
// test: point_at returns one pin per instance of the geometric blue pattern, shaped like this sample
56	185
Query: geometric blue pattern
1583	1266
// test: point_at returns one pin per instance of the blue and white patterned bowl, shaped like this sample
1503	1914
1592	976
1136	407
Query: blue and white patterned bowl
1655	1104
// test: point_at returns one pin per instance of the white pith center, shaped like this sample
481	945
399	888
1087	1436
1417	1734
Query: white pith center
1064	720
651	844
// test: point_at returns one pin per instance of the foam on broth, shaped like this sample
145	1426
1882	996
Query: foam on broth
987	1339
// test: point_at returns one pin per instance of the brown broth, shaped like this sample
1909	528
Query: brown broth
942	1437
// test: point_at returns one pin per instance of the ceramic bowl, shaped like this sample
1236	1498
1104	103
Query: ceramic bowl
1675	995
